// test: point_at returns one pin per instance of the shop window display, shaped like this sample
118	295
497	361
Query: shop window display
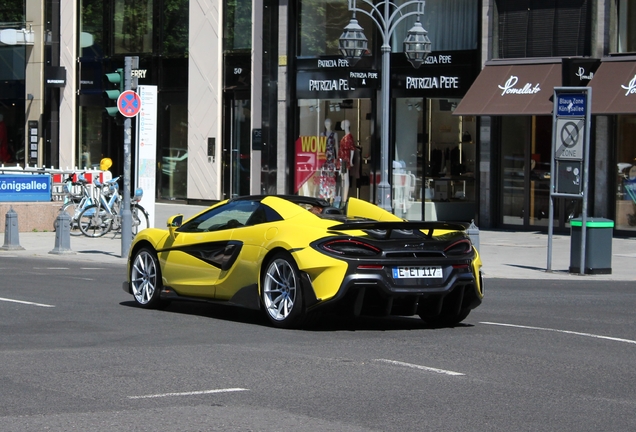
433	161
332	149
626	169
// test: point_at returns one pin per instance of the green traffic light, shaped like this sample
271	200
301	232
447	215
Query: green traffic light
112	94
117	78
112	111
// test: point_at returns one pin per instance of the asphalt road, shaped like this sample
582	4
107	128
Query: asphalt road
77	354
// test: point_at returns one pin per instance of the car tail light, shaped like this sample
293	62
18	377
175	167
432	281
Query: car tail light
350	248
461	247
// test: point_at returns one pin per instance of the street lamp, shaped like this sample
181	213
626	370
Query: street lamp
417	47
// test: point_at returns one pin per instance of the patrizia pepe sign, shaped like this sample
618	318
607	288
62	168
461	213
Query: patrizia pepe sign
631	87
510	87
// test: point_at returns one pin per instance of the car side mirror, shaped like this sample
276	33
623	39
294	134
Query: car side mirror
174	222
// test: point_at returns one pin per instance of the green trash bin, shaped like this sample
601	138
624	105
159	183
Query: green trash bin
598	245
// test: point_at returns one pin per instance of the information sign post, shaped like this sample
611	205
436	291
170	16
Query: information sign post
570	149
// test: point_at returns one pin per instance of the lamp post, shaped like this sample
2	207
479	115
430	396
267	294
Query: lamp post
417	46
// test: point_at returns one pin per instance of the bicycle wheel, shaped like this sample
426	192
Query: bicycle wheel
93	221
72	209
139	219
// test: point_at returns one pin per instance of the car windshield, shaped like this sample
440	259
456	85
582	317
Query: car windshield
231	215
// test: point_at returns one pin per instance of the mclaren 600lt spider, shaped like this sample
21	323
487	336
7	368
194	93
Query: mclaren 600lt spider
294	256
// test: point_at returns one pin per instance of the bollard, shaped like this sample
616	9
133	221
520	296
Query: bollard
62	234
11	236
473	233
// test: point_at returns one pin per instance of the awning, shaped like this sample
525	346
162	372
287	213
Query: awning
614	88
522	89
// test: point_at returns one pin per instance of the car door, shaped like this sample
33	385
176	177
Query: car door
203	250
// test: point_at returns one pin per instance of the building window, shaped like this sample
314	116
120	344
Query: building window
539	28
174	34
451	25
133	26
625	16
237	28
321	23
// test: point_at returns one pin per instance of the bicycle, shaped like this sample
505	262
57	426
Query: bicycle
74	203
98	219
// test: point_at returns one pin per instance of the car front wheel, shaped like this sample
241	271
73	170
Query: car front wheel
145	278
281	292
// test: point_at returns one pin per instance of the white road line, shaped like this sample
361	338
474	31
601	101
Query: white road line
629	341
414	366
25	302
193	393
51	268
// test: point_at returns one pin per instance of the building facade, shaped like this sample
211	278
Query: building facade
253	97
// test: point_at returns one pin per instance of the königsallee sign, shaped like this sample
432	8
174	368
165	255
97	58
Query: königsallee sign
21	187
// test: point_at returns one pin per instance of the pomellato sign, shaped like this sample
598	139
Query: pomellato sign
631	87
510	87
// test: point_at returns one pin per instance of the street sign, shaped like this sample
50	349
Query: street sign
569	168
572	105
570	138
129	103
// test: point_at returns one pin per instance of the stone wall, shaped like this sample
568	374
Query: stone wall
32	216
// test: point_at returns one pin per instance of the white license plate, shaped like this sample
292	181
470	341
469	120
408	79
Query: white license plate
416	272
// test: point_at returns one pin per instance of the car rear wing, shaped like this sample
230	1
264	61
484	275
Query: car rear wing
385	229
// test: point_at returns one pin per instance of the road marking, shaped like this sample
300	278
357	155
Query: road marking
25	302
193	393
629	341
414	366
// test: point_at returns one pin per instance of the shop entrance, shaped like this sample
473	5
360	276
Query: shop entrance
526	152
236	145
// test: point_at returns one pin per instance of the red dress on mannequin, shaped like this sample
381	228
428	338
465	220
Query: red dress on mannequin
347	146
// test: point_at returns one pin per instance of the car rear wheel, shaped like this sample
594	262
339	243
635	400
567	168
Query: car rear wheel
281	292
145	278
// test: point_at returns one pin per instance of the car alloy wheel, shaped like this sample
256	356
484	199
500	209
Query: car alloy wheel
281	292
145	278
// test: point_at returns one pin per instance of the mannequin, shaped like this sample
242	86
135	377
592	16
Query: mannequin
5	156
346	153
328	169
331	148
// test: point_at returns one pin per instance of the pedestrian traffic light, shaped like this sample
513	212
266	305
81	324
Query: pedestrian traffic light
116	80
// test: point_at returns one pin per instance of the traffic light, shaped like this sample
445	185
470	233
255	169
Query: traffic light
116	78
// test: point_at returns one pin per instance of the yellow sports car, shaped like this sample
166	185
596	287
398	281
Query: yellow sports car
294	256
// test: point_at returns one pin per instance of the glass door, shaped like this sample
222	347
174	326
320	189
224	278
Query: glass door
236	145
526	143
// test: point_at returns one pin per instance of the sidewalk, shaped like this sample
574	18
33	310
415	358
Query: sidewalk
505	254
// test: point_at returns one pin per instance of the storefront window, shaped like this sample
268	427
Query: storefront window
174	152
434	161
133	26
626	184
333	149
90	138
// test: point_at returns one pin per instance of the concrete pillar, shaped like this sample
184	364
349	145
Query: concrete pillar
11	232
